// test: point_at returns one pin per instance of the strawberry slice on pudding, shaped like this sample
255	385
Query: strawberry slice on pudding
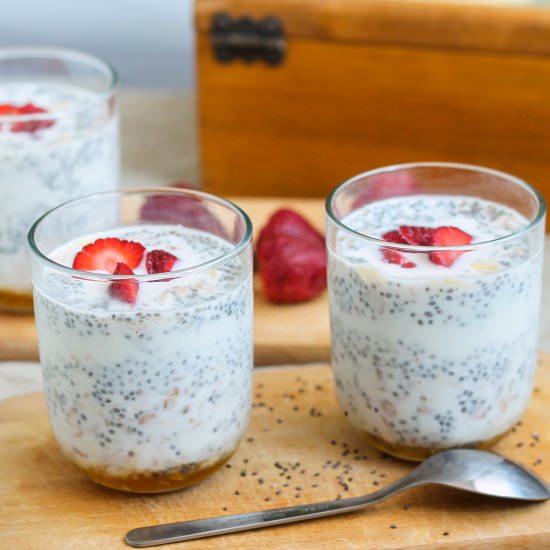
116	256
414	234
448	236
124	290
9	109
105	254
426	236
159	261
390	255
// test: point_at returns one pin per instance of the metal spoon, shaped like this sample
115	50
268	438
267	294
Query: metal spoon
479	472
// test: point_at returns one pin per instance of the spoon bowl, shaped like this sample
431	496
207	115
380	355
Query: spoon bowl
479	472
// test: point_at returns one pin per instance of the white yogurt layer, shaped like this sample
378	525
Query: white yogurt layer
159	385
432	357
76	156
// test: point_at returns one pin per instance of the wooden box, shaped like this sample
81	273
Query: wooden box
361	84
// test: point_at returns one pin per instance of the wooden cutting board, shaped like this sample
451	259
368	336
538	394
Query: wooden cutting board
283	334
299	449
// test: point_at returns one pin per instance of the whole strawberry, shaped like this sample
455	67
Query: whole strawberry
292	258
287	222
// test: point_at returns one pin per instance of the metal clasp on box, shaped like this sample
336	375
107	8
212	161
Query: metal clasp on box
248	39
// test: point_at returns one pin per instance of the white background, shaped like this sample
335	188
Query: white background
150	42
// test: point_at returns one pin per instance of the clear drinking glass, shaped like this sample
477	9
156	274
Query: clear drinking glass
153	395
58	140
434	346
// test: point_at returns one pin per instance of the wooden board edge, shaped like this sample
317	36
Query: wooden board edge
273	355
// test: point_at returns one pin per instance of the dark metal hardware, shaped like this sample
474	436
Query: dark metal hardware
248	39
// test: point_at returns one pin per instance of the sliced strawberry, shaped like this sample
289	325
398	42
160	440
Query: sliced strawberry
414	234
394	237
393	257
105	254
7	109
448	236
159	261
126	289
31	125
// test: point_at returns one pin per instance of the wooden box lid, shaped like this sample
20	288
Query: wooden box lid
363	84
516	26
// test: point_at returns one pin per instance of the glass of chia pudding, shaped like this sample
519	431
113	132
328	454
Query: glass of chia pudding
58	140
143	303
434	278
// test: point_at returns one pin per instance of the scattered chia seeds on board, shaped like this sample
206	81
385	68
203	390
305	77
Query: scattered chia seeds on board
318	474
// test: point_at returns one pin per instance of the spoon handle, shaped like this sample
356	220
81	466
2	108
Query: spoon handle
187	530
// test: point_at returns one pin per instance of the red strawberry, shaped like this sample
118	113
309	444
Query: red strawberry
105	254
292	257
384	186
159	261
182	209
394	237
448	236
126	289
31	125
414	234
7	109
293	271
287	222
392	256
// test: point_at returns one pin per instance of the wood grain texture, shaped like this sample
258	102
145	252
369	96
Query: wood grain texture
282	334
344	101
18	340
282	460
515	29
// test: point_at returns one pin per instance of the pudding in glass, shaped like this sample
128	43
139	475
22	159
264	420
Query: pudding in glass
434	304
145	337
58	140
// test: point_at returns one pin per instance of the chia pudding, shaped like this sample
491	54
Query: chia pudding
155	395
431	357
75	153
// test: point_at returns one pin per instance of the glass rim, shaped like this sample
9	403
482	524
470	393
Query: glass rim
65	53
436	164
236	249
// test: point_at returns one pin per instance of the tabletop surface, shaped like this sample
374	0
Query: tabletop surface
299	448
